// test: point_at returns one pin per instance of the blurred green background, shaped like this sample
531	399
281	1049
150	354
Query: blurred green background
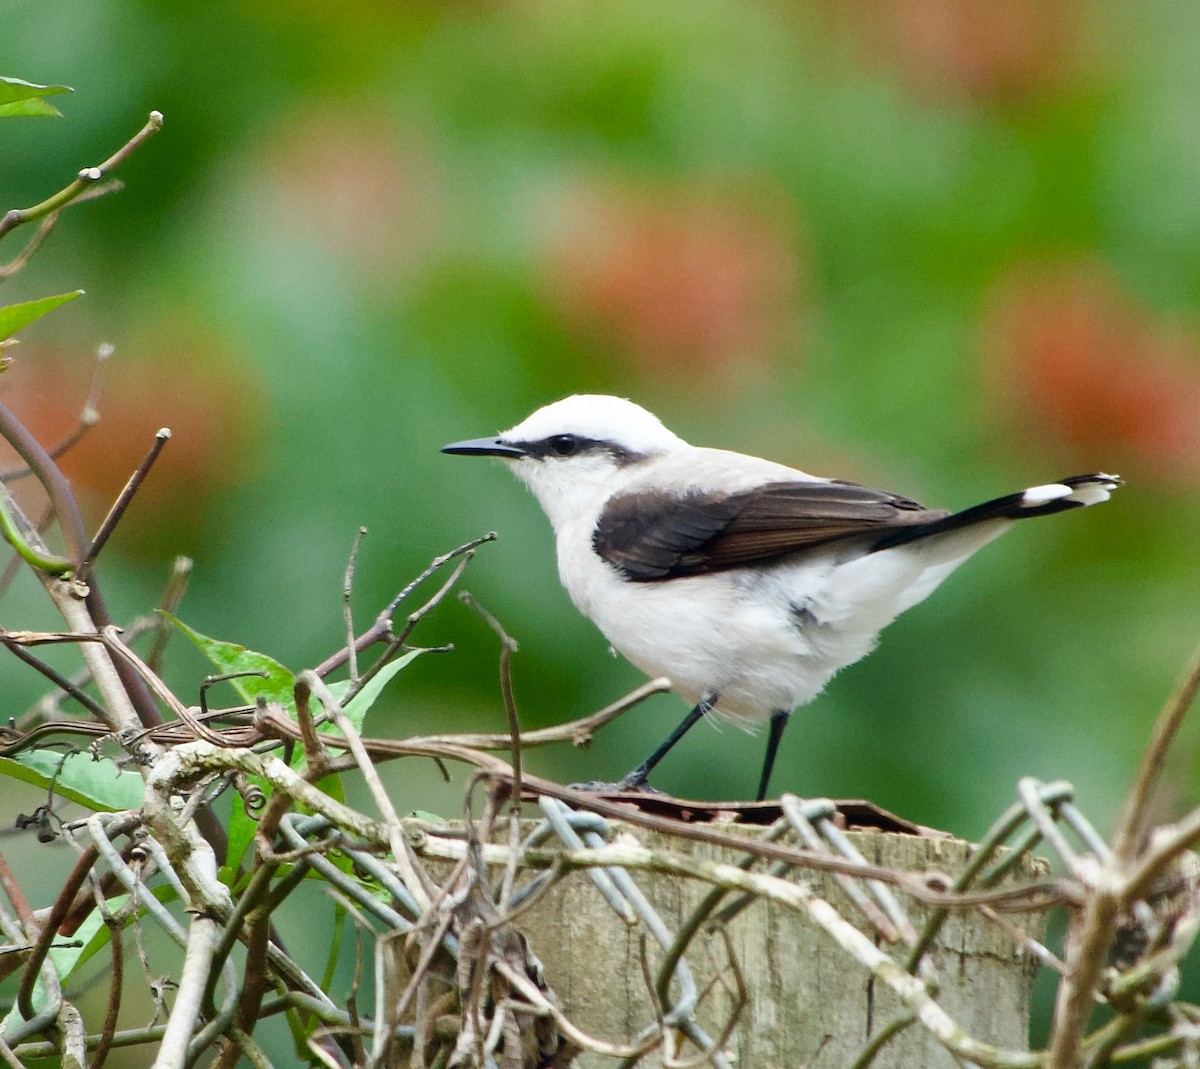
946	248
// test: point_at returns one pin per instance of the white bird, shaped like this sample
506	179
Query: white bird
745	582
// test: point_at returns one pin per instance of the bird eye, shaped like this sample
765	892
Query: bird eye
564	444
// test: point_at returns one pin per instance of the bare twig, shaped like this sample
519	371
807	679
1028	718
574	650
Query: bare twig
31	246
401	851
185	1014
123	499
115	984
112	642
1131	826
347	613
396	642
1111	884
508	646
578	731
16	896
61	682
382	628
89	415
172	595
34	454
48	223
87	179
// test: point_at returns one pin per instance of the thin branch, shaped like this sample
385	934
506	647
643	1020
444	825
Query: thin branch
123	499
48	223
185	1014
15	895
172	595
41	526
401	852
31	246
115	984
1131	824
87	179
89	415
508	646
382	628
1093	931
396	642
881	1038
125	694
741	998
578	731
50	926
17	530
60	681
66	511
112	641
347	612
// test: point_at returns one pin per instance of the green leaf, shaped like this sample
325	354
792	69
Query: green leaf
241	832
276	686
35	106
424	814
356	709
93	932
19	97
16	89
97	784
15	316
242	825
91	935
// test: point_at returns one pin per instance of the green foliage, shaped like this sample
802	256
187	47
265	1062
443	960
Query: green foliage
15	316
259	676
19	97
89	937
351	256
356	708
97	783
278	687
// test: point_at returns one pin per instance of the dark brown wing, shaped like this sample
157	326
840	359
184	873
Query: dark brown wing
651	536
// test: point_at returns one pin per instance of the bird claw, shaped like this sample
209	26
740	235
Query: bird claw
627	785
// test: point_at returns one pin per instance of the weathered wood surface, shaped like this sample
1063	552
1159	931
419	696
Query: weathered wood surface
811	1005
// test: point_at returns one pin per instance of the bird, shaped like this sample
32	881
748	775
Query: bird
745	582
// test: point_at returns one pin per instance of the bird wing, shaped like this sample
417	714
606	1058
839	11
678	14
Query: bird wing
652	535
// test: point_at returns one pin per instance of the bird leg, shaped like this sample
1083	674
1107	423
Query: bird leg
779	720
636	780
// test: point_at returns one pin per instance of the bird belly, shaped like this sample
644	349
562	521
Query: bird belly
762	639
714	633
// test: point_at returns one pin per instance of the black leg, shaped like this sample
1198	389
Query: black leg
779	721
637	778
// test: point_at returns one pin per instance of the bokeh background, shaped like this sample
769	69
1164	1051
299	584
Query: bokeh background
942	247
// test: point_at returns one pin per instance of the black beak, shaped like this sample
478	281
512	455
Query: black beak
484	447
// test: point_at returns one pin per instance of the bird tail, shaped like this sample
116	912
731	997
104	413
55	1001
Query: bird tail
1074	492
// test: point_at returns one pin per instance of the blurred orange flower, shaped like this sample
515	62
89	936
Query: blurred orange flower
206	406
684	281
997	49
352	181
1081	365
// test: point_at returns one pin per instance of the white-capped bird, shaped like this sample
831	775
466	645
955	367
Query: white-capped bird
745	582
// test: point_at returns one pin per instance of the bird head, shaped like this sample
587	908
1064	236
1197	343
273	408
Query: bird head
575	452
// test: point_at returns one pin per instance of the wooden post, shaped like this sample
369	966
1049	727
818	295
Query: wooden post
811	1005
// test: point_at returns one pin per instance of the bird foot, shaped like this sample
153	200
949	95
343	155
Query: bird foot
628	784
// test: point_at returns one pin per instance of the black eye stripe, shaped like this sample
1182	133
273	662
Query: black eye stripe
556	446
